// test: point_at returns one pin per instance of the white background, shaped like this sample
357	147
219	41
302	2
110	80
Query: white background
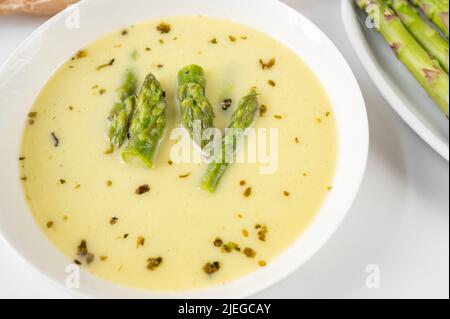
400	220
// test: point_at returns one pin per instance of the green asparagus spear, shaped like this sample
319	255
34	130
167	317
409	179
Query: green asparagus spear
148	123
241	119
436	11
429	38
193	104
424	68
120	115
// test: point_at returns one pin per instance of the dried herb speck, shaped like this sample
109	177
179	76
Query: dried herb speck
229	247
50	224
84	253
267	65
211	268
154	262
81	54
140	241
113	220
218	242
62	181
164	28
184	175
213	41
226	103
250	253
142	189
262	110
55	139
232	38
242	183
262	232
110	63
248	192
271	83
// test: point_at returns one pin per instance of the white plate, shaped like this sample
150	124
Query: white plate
30	66
395	83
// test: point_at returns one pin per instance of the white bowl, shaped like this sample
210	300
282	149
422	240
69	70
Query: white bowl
28	69
395	83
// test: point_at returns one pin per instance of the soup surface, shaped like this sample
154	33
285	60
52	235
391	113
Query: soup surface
86	202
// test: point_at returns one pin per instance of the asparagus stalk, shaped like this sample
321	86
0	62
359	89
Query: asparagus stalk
241	119
436	11
429	38
120	115
193	104
424	68
148	123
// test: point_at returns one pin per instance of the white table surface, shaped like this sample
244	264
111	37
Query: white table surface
399	222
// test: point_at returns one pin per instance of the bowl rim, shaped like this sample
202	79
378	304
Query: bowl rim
255	288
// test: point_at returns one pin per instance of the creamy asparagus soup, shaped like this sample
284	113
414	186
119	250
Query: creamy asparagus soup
98	167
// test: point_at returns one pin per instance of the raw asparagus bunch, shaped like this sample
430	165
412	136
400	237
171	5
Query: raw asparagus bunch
148	123
429	38
241	119
424	68
120	116
436	11
193	103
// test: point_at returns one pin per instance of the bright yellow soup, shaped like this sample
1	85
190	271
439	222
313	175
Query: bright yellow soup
80	195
